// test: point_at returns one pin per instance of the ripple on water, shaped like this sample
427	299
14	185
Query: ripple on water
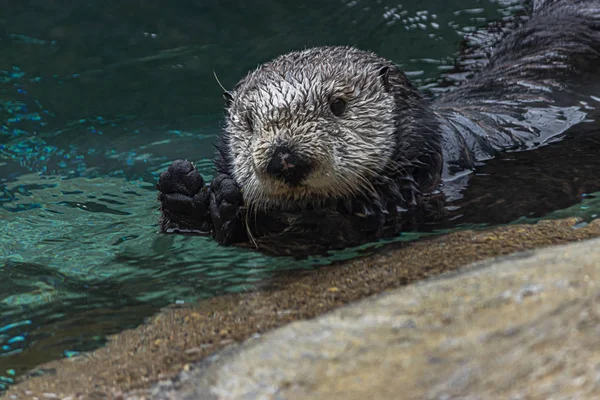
89	117
92	244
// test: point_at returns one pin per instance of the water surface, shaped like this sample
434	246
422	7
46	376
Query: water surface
98	97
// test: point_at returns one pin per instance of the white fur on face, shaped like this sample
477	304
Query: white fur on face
287	101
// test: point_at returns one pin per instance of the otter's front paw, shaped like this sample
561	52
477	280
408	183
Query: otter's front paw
225	210
184	199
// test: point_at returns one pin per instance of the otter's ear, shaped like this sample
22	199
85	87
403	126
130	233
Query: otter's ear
384	74
228	97
387	73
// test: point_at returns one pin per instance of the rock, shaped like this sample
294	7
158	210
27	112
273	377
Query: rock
522	326
131	362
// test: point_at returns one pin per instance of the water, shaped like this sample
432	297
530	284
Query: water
98	97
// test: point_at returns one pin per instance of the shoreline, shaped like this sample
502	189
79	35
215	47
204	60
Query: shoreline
179	336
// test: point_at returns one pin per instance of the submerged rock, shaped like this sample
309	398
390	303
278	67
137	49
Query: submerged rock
522	326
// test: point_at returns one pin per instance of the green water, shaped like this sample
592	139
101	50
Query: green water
98	97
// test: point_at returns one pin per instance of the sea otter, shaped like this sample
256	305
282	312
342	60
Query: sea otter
331	147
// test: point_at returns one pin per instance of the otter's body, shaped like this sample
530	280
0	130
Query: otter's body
333	146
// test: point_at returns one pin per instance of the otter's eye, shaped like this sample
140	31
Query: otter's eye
338	106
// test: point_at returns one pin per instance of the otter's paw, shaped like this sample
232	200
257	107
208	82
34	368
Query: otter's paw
184	200
225	210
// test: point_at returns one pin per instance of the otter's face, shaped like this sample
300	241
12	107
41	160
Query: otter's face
310	126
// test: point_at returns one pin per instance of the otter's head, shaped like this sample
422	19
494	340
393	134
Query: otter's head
314	125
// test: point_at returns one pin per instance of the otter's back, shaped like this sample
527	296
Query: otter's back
557	49
538	74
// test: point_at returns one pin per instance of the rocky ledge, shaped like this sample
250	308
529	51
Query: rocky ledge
526	326
523	326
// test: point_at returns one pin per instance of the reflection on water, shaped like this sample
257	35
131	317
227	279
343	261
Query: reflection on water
97	98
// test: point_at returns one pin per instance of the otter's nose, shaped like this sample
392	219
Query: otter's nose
287	166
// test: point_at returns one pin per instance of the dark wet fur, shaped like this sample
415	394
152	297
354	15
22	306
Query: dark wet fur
555	54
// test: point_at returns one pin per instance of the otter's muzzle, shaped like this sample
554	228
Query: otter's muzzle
287	166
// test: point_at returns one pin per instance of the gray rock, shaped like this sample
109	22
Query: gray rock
519	327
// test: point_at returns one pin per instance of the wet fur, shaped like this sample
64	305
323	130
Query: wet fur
379	165
385	133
